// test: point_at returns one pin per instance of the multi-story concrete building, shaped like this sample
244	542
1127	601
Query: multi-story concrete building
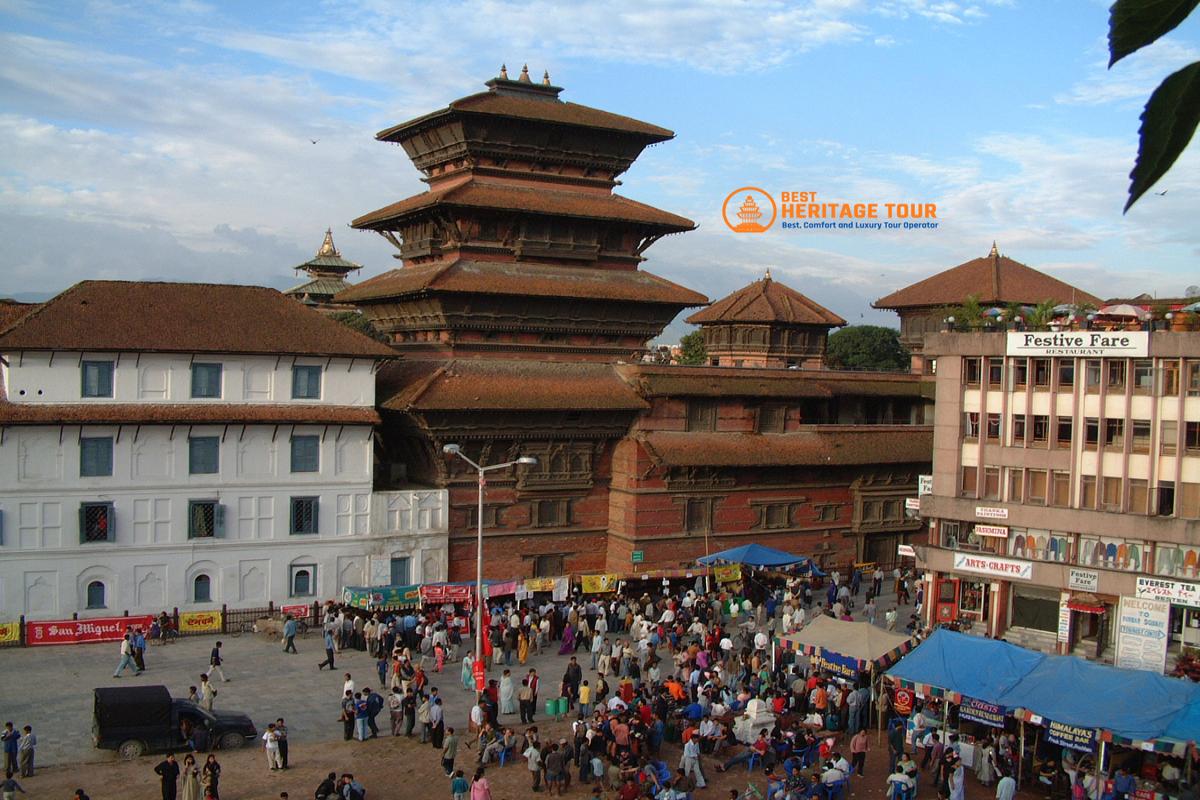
1066	489
190	445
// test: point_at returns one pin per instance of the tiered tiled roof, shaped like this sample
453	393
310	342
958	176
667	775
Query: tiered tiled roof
524	279
11	311
663	381
767	301
993	280
478	193
144	316
824	446
504	384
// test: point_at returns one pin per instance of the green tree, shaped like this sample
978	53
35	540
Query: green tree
968	316
1173	110
356	321
866	347
692	350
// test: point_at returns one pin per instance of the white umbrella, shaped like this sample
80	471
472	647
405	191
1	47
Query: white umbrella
1124	310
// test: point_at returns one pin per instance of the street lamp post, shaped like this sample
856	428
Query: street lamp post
480	470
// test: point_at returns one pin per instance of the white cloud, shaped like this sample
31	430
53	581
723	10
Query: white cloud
1132	79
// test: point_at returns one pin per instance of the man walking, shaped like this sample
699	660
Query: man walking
139	649
126	657
690	761
449	751
374	706
215	661
168	770
207	693
289	634
329	651
25	750
11	740
281	737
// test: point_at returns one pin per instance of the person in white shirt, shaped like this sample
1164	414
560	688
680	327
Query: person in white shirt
615	703
832	775
1006	788
760	641
271	746
898	780
689	762
348	686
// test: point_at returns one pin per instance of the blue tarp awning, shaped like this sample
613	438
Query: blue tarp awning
1132	704
755	555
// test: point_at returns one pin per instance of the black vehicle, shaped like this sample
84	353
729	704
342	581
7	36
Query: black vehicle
143	719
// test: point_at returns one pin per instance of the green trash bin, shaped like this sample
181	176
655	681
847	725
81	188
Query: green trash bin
562	706
551	706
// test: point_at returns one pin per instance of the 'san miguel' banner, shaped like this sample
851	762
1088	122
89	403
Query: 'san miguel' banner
728	573
79	631
10	631
836	664
1076	738
981	712
436	593
200	622
600	584
299	610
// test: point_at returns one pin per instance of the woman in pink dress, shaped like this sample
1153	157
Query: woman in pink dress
480	789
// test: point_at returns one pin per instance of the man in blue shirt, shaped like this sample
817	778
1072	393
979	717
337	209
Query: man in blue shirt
139	650
328	651
289	634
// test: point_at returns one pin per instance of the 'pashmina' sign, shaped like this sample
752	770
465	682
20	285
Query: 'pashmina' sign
981	712
1071	736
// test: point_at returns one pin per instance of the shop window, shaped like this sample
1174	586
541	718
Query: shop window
970	477
1020	372
971	426
1091	433
1060	488
971	596
1038	613
1114	433
1143	376
202	589
1121	554
1164	501
971	371
1041	428
1169	438
97	595
1018	430
1110	497
1016	485
1036	490
995	371
701	415
1065	431
548	566
1179	562
1168	382
1066	373
991	483
1140	428
1092	373
1041	372
993	426
1116	374
1087	491
1139	496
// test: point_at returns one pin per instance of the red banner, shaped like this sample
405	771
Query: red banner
299	611
441	593
79	631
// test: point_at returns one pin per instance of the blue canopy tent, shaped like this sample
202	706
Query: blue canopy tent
757	555
970	665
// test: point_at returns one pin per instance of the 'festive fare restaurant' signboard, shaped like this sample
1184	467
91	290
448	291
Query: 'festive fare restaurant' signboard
1093	344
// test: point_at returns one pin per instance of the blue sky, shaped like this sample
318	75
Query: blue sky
171	140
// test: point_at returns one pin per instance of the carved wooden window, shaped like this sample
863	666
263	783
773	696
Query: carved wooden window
827	512
776	515
491	516
551	513
702	415
698	515
548	566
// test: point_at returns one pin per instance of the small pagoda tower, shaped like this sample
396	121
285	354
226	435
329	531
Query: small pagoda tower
327	272
749	214
766	324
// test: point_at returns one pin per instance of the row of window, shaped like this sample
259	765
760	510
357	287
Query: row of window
206	519
204	455
1035	430
96	379
1053	488
1042	373
302	583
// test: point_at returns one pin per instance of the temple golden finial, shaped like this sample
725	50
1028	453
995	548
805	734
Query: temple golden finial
525	75
546	78
768	275
994	252
327	248
503	72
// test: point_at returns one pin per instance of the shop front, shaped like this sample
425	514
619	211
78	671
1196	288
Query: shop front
1184	598
972	593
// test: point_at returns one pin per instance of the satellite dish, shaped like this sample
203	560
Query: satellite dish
1192	291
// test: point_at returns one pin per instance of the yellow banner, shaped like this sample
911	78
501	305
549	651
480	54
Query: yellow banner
10	631
600	584
539	584
200	622
728	573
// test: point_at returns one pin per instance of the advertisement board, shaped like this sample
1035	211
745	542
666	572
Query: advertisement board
1074	737
984	713
994	531
835	664
600	584
80	631
200	622
297	610
991	512
1142	629
993	565
1085	580
1094	344
1180	592
727	573
10	631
